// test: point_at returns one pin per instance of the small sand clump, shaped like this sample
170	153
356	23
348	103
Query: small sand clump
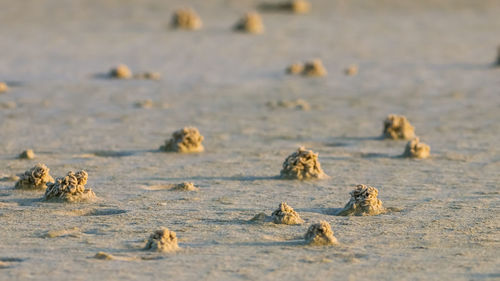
251	23
398	127
313	68
186	140
351	70
363	202
120	72
162	240
299	6
320	234
104	256
286	215
3	87
417	149
302	165
187	19
298	104
27	154
35	178
70	188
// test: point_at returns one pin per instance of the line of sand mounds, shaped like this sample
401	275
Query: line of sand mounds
320	234
27	154
311	68
416	149
70	188
298	104
398	127
3	87
250	23
187	19
35	178
363	202
294	6
302	165
162	240
186	140
286	215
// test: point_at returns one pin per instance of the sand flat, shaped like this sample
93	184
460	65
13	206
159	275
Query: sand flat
428	60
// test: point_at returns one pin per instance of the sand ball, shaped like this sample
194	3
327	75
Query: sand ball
70	188
27	154
120	72
35	178
3	87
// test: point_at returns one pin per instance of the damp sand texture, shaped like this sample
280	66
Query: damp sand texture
428	60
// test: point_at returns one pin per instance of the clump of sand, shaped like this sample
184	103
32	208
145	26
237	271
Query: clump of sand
416	149
104	256
298	104
398	127
320	234
286	215
35	178
187	19
302	165
311	68
363	202
186	140
251	23
351	70
120	72
27	154
70	188
3	87
162	240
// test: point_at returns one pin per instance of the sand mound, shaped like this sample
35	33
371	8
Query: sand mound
286	215
416	149
3	87
186	140
251	23
70	188
185	186
35	178
363	202
162	240
310	68
351	70
27	154
120	72
302	165
320	234
186	19
398	127
298	104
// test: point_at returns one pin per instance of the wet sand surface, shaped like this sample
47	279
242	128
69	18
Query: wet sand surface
428	60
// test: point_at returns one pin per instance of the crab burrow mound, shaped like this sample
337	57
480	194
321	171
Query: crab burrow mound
320	234
363	202
302	165
186	140
35	178
397	127
70	188
286	215
162	240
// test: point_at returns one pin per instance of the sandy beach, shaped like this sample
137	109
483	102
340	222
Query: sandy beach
428	60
